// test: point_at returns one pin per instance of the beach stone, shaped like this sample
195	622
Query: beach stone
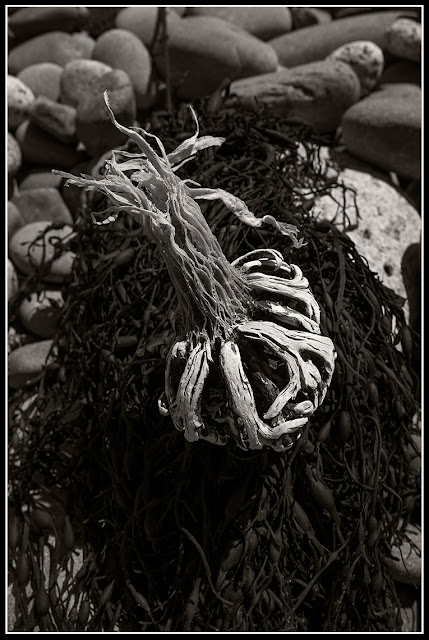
43	79
204	51
58	47
142	21
43	203
37	178
411	273
93	125
30	252
39	312
385	129
19	100
404	39
57	119
307	16
365	58
122	49
14	156
12	280
32	21
40	148
406	563
26	363
78	77
262	22
14	219
319	92
402	71
318	41
388	223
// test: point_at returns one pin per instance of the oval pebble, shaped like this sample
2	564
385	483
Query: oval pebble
39	178
41	148
39	312
30	249
57	46
365	58
142	21
78	77
33	21
262	22
19	100
42	204
59	120
43	79
14	156
405	563
12	280
122	49
14	219
404	39
26	363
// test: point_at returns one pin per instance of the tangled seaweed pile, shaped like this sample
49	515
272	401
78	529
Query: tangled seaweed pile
181	535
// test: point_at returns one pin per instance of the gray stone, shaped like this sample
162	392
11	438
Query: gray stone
405	563
40	148
32	21
142	21
14	219
264	23
42	203
38	178
59	120
385	129
93	125
19	100
43	79
404	39
27	363
33	246
14	156
318	41
39	312
58	47
12	280
319	92
365	58
78	77
122	49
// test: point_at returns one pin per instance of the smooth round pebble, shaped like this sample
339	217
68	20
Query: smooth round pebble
405	563
12	280
78	77
41	148
19	100
26	363
365	58
262	22
142	21
14	219
59	120
57	46
43	79
38	178
121	49
30	249
42	203
40	311
14	156
32	21
404	39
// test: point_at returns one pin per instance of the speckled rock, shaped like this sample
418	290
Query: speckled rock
405	563
32	21
57	119
142	21
43	203
307	16
404	39
37	178
40	148
365	58
58	47
40	311
93	125
262	22
411	266
14	219
122	49
387	224
385	129
205	51
33	246
26	363
402	71
78	77
12	280
318	41
14	156
19	100
319	92
43	79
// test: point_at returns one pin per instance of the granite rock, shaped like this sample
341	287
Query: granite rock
33	21
43	79
14	156
404	39
59	120
19	100
142	21
78	77
43	203
40	148
27	363
14	219
384	129
122	49
39	312
365	58
319	92
264	23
